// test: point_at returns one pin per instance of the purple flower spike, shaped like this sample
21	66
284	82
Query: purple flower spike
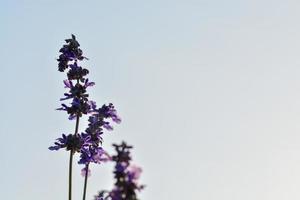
126	175
87	144
93	154
69	52
77	84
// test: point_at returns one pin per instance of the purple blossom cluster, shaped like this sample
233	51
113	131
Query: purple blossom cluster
98	121
69	52
77	84
126	177
88	144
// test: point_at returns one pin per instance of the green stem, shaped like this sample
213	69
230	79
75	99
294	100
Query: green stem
85	180
71	161
70	175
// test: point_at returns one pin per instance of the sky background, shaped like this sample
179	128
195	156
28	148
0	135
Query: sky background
209	94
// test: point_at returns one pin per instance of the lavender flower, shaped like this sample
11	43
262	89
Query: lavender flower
80	105
126	175
88	143
93	154
69	52
99	117
97	122
68	59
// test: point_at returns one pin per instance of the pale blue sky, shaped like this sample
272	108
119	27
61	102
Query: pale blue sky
209	94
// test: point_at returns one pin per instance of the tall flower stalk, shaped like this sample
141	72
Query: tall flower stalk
126	176
88	144
77	84
93	153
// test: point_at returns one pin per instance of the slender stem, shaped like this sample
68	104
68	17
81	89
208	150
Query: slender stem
71	161
77	124
70	175
85	180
